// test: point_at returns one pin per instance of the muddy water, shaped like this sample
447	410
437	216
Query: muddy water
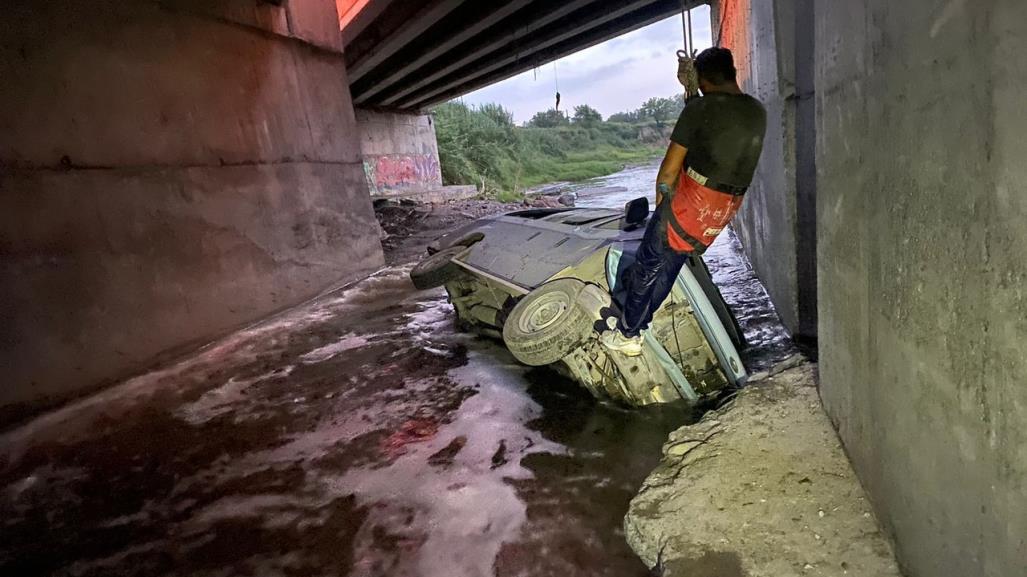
359	435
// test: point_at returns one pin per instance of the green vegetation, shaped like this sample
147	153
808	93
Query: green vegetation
482	146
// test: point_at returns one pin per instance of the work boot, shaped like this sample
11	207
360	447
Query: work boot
615	340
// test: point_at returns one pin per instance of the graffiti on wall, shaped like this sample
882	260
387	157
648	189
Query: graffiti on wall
401	172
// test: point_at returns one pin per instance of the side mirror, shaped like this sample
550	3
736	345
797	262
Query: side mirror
635	213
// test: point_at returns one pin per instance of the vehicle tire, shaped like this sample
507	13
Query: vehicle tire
466	241
547	324
436	269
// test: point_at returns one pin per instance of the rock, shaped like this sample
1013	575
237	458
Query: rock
542	202
567	199
790	362
744	490
759	376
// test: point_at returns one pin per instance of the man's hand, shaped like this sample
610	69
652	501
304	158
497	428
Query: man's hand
662	190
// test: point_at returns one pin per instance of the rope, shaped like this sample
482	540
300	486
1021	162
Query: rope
686	68
684	28
556	79
691	37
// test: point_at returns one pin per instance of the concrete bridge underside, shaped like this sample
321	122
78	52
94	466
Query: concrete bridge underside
410	55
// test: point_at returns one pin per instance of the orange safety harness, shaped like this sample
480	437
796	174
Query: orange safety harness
698	210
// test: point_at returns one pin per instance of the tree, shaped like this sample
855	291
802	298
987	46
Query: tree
549	119
625	117
586	115
659	109
498	114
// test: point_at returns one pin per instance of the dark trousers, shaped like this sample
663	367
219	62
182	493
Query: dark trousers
650	278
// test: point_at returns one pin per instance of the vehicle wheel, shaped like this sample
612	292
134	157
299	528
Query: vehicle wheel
436	269
466	241
548	323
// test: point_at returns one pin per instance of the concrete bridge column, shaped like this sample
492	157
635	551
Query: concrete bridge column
773	46
399	151
169	170
922	267
918	123
401	157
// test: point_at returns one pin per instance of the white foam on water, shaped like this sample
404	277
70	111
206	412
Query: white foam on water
431	318
461	513
346	343
224	399
240	347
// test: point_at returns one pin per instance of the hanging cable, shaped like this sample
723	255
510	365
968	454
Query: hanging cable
556	79
691	37
684	32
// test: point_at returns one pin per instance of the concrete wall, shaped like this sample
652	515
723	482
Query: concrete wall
400	152
776	229
923	313
168	171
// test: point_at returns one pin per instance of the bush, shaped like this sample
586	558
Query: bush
482	146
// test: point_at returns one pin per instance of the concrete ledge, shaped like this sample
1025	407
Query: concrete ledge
432	195
759	488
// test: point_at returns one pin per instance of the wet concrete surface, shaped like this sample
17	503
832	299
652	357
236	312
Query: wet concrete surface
359	434
759	488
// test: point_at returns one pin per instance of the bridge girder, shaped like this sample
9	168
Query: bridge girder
414	55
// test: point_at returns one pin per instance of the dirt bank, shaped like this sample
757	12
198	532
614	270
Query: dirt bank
408	227
758	488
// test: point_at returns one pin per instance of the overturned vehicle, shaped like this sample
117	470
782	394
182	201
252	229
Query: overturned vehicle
545	281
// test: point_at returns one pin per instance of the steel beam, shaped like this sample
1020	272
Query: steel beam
373	47
489	42
579	30
483	17
366	14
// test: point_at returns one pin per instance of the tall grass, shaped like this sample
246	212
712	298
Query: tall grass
482	146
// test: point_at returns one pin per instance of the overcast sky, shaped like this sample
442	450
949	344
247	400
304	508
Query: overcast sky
614	76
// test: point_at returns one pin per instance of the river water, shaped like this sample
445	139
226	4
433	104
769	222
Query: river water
357	435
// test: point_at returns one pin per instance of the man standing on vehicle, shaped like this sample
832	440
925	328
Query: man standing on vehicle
712	157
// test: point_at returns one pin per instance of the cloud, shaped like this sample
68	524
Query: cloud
614	76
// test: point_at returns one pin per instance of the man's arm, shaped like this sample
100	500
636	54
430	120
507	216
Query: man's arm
670	168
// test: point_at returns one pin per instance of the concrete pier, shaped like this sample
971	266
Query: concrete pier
919	263
168	171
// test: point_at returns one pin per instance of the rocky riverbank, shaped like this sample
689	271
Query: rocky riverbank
758	488
408	227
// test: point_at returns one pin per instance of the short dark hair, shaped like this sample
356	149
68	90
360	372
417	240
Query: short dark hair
716	65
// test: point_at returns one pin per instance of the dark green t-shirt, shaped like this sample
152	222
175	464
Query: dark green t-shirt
724	136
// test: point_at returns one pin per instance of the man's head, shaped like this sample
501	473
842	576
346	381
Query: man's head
716	69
